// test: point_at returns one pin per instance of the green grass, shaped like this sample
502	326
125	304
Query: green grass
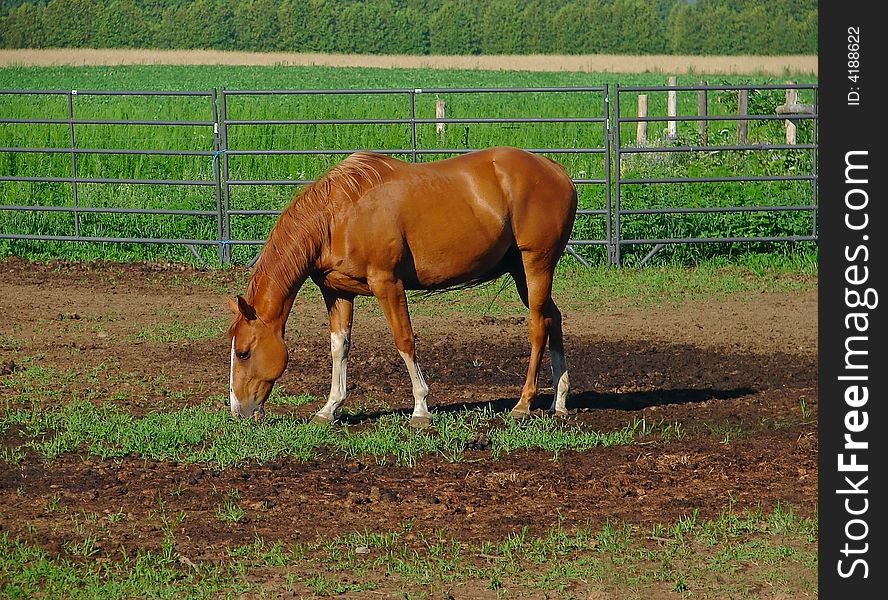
208	434
699	558
180	330
602	287
362	137
27	571
229	510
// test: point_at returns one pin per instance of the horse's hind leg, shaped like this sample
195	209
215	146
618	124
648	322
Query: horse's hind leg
393	301
339	312
535	288
560	378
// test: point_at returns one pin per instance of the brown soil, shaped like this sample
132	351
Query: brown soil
739	365
605	63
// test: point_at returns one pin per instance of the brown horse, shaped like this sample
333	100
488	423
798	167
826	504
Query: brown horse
374	225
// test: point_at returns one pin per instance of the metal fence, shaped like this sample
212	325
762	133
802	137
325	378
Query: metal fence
71	122
619	213
224	137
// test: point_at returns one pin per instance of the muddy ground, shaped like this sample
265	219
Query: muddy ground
734	371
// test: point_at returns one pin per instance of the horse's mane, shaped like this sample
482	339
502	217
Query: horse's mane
300	231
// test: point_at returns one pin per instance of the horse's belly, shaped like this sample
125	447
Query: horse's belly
454	240
435	266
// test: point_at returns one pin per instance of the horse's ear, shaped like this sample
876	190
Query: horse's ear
242	307
232	305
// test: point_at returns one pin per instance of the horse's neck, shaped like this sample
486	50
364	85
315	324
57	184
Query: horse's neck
288	259
272	303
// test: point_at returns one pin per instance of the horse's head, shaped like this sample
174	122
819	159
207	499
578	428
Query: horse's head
258	359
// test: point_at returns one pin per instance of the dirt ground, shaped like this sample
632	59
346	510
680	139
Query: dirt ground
603	63
740	365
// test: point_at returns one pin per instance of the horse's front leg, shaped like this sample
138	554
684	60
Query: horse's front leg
339	312
390	294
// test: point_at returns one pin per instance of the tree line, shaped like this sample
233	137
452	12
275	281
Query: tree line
418	26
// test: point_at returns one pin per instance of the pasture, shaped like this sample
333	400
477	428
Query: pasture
687	468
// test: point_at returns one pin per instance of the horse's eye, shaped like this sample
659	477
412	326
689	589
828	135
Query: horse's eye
243	355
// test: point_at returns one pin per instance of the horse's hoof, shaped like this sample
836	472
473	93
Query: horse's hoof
562	414
321	420
420	422
520	414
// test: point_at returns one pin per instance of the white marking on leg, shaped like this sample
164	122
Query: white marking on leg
420	388
339	344
561	383
232	397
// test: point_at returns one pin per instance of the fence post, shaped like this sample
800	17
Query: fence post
742	111
217	175
792	98
671	109
439	114
641	128
73	140
413	122
613	251
702	111
608	169
225	242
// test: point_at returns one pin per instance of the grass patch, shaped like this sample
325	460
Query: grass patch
208	434
601	286
27	571
33	382
183	330
731	555
229	510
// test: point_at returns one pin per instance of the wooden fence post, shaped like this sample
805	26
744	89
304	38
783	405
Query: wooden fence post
742	111
439	114
792	98
671	109
642	128
702	111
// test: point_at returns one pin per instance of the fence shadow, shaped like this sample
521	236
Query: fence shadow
628	401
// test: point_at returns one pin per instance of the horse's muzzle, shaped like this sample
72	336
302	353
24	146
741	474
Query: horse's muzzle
257	414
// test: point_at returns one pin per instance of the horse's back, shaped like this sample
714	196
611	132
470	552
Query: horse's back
448	222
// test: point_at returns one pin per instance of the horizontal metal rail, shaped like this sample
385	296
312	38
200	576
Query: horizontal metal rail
401	151
242	182
389	91
109	180
715	148
110	151
712	209
407	121
712	240
108	240
733	87
98	209
106	122
726	179
658	118
206	93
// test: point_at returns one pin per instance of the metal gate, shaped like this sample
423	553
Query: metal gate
230	141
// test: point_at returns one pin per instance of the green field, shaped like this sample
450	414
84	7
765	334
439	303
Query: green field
369	136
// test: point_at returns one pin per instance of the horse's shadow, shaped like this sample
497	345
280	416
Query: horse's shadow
627	401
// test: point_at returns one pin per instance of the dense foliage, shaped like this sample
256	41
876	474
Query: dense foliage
418	26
